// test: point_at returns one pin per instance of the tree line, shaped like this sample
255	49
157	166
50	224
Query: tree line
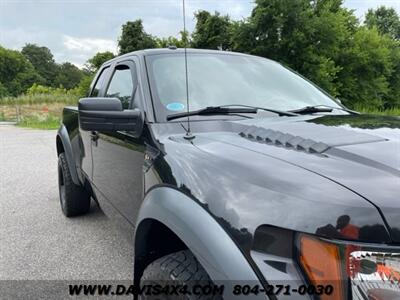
358	62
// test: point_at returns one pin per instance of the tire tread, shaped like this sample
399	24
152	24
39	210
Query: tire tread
77	201
181	267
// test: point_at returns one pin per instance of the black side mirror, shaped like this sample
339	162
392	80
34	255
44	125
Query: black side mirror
106	114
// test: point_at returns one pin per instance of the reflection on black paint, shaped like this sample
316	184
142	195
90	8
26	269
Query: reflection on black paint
241	235
345	230
359	121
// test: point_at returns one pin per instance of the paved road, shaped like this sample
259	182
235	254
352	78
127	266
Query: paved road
36	241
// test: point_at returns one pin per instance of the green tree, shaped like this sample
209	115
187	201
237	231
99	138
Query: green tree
387	22
3	91
173	41
43	62
385	19
304	35
68	76
330	29
17	74
393	98
84	85
244	37
280	30
367	66
212	31
134	38
94	63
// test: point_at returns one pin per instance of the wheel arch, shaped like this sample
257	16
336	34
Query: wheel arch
185	222
63	145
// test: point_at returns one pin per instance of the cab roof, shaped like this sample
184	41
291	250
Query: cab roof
158	51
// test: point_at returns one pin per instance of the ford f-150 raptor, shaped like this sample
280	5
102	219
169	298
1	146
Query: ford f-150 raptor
237	170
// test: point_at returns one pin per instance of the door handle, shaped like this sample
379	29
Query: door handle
94	135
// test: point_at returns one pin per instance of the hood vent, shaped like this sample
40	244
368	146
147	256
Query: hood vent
287	140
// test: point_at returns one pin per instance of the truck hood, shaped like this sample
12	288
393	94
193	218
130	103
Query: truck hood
357	153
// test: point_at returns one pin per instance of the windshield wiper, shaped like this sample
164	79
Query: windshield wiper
321	108
228	109
276	111
212	110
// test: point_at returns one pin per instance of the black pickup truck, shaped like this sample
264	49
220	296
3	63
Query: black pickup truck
263	179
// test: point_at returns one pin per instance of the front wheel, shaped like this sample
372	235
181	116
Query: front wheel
74	199
178	269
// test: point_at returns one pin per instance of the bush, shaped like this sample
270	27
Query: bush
37	89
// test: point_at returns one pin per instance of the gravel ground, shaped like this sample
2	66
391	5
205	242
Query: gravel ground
36	241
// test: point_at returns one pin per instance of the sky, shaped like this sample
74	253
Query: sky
76	30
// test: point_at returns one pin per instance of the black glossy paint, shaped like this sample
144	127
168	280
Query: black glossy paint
245	181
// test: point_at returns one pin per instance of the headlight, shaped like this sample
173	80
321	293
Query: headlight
355	271
376	274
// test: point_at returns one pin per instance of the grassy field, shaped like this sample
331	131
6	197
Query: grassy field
39	99
44	111
40	122
42	116
35	111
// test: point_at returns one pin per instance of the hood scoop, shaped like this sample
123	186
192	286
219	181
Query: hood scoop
287	140
304	135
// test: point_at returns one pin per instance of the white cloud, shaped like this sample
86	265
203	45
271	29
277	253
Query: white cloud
78	50
89	45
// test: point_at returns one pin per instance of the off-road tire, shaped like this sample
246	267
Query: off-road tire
179	268
74	199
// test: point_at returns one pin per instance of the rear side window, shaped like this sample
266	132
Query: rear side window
99	82
122	85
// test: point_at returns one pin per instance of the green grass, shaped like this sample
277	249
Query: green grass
40	122
40	99
375	111
388	112
41	111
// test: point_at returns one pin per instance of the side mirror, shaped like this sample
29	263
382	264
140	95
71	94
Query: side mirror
106	114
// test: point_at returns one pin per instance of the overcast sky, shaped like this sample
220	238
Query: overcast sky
76	30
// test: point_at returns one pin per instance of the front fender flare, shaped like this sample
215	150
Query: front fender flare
69	155
208	241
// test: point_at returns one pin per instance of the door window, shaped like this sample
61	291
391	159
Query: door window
122	85
99	82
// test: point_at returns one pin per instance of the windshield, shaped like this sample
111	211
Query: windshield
224	79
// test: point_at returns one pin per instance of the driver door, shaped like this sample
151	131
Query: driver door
118	157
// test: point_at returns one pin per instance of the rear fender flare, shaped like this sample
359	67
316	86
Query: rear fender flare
62	134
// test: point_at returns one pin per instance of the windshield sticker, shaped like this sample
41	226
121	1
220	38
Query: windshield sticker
175	106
